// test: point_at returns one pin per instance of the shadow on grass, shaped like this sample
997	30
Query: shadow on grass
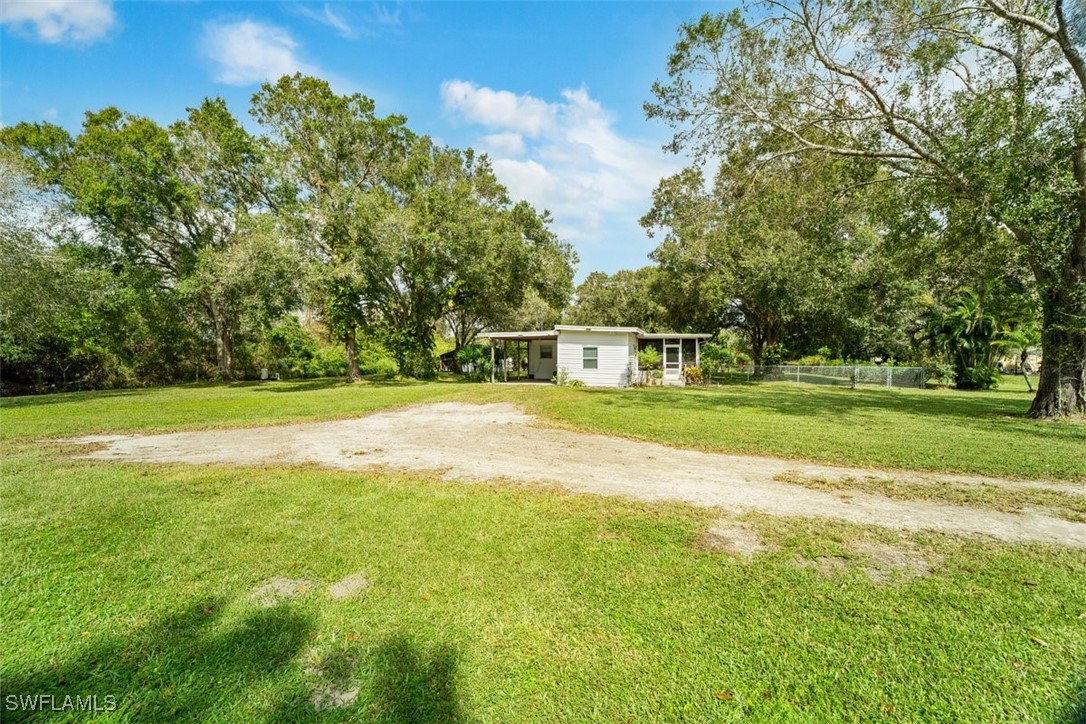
806	401
53	398
188	665
181	666
414	685
1077	711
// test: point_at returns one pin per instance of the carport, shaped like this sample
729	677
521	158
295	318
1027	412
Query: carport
534	354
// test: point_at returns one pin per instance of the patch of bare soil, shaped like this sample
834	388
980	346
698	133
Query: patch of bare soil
885	563
333	687
733	538
480	442
278	590
881	562
826	566
348	586
331	696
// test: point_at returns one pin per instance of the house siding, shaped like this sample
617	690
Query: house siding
616	350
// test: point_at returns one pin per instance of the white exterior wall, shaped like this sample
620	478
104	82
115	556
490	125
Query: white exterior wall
616	350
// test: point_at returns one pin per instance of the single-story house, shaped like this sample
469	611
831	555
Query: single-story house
597	356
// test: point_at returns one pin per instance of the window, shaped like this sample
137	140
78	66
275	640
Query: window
590	358
546	351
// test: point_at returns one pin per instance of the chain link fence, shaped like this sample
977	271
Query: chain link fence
841	375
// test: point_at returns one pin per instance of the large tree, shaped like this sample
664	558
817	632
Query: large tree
160	199
627	298
337	165
781	255
980	107
518	276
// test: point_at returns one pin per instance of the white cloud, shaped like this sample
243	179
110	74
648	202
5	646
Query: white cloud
247	52
498	109
567	156
60	21
329	17
503	144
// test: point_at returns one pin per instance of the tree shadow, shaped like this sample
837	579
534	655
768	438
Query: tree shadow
182	666
1077	711
802	402
414	685
287	386
54	398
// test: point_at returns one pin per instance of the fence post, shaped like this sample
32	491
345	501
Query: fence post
855	377
890	377
797	373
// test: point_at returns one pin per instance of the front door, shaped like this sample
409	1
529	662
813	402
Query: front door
673	361
545	364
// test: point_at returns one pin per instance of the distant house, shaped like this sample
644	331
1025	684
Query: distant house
597	356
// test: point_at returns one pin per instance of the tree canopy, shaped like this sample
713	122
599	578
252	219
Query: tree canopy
979	108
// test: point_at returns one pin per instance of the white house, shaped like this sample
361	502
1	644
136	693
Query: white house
597	356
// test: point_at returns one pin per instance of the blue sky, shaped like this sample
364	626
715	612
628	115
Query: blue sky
552	91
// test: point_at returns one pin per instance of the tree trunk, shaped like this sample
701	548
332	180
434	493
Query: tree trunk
224	343
1022	367
1061	390
353	374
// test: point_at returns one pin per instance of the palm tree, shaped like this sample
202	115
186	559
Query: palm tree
964	334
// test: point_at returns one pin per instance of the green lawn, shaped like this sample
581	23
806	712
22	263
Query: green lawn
506	603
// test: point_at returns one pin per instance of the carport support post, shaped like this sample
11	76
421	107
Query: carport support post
505	360
491	361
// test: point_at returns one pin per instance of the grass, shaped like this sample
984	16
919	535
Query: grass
504	603
1061	504
983	433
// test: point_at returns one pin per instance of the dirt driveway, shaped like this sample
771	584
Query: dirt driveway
477	442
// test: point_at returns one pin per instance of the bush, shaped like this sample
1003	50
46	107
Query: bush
715	357
575	383
811	360
774	355
937	372
692	373
375	359
981	377
649	358
475	357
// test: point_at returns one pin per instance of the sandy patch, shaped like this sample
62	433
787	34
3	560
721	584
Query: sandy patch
881	562
349	586
278	590
885	563
825	566
733	538
330	696
480	442
333	687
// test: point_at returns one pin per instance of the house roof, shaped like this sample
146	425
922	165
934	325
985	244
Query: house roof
542	334
553	333
578	328
674	335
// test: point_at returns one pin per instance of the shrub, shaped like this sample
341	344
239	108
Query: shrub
774	354
715	357
477	358
980	377
692	373
649	358
575	383
811	360
375	359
